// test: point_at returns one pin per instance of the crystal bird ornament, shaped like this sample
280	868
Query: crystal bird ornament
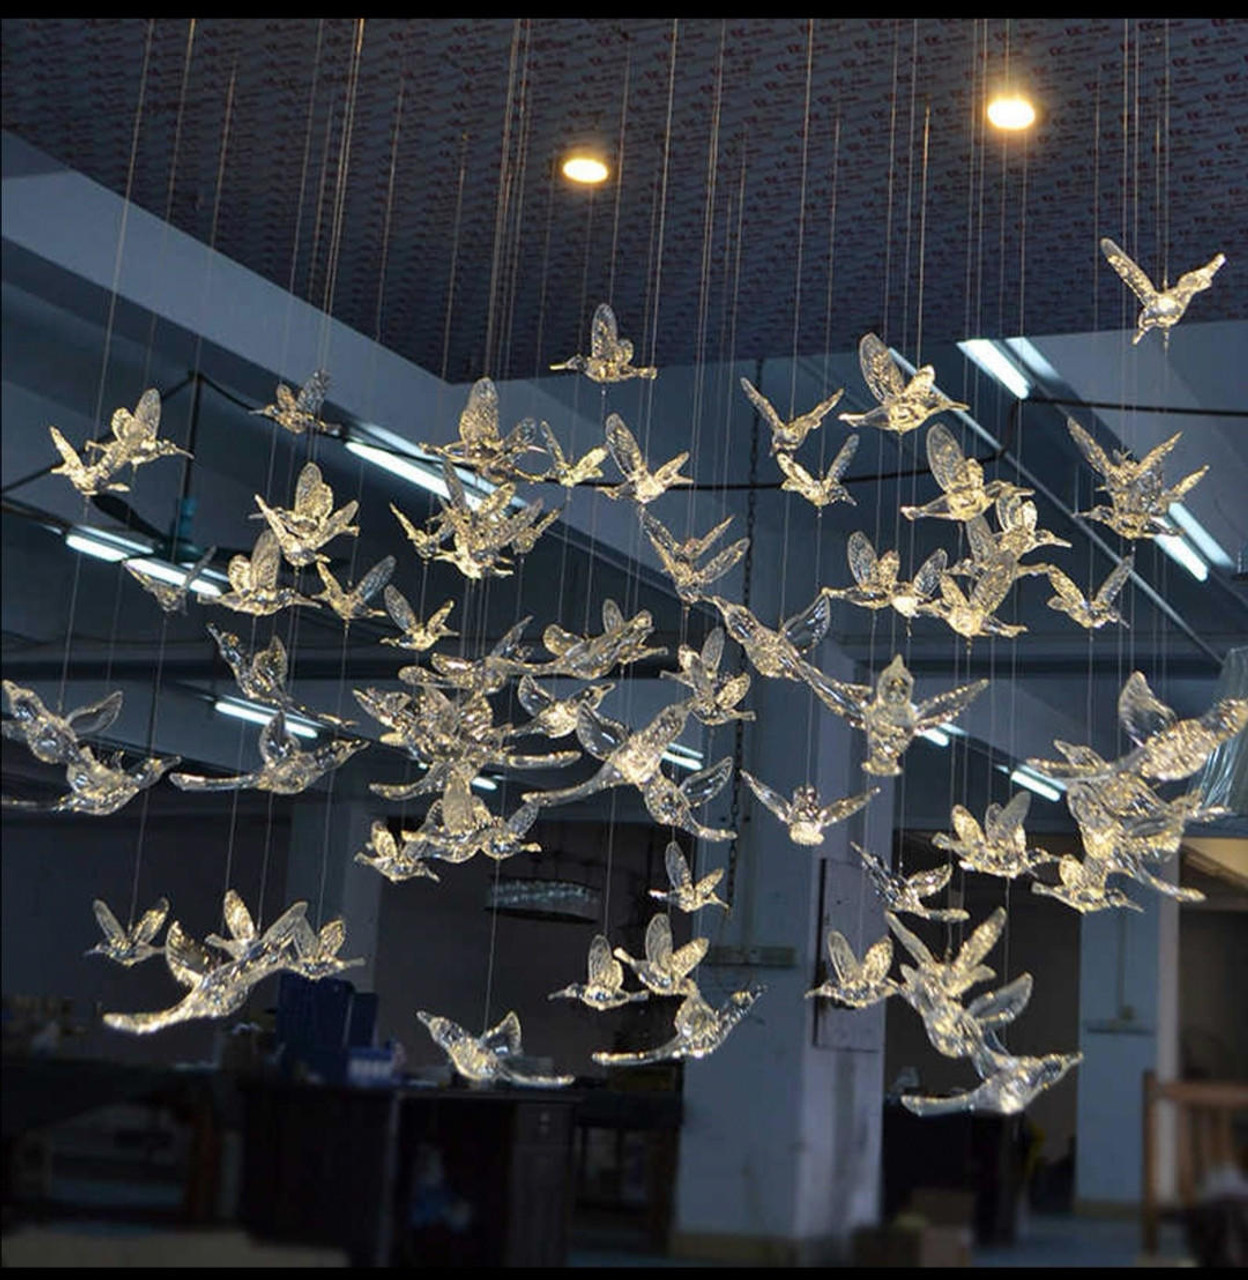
804	815
610	357
951	977
622	641
685	893
1162	308
51	738
680	559
129	946
999	847
962	480
100	787
300	411
903	405
875	579
1138	495
302	530
1019	534
662	970
216	988
605	986
316	952
88	478
888	713
1097	611
351	603
1010	1088
700	1029
857	983
253	581
972	614
630	757
481	445
416	635
906	893
487	674
171	596
1082	886
555	717
135	440
396	861
1168	748
287	769
715	697
640	483
564	470
777	654
672	805
492	1057
788	437
820	491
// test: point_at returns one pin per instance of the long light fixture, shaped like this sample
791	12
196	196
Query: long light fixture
992	360
941	735
1180	552
256	714
115	547
1200	537
1024	776
419	470
683	757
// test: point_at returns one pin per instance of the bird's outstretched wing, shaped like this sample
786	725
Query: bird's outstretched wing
1135	278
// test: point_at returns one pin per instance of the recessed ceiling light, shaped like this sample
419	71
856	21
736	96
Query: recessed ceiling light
585	167
1011	111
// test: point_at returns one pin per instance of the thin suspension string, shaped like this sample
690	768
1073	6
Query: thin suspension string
520	172
108	342
500	214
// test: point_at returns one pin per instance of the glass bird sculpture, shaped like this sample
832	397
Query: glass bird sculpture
216	988
1168	748
903	405
100	787
685	893
129	946
171	596
962	480
1139	498
788	437
89	478
481	445
972	614
416	635
563	470
680	559
287	769
888	713
640	483
804	815
253	581
857	983
1015	1083
51	738
1019	534
663	971
351	603
555	717
622	641
875	579
777	654
244	939
1097	611
823	490
672	805
906	893
459	826
951	976
700	1029
605	986
1082	887
300	411
493	1057
630	757
998	554
306	527
610	357
135	442
999	847
316	952
487	674
715	697
1162	308
397	861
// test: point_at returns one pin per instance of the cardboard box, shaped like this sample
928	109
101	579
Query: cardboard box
903	1244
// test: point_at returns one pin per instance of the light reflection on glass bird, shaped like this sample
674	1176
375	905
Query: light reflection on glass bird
804	815
300	411
787	437
1162	308
857	984
700	1029
640	483
685	893
903	405
605	987
906	893
496	1055
129	946
610	357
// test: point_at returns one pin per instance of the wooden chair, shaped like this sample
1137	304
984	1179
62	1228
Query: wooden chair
1204	1141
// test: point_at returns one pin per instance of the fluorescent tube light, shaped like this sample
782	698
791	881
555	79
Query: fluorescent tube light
482	783
683	757
1035	364
428	475
1029	778
936	735
992	360
254	714
1200	537
1179	551
105	546
175	575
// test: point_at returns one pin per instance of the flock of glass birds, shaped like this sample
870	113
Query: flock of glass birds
443	719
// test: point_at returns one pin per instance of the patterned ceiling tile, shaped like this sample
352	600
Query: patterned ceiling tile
412	193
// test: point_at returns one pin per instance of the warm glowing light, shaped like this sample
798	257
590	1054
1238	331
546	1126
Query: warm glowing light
1011	112
586	169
